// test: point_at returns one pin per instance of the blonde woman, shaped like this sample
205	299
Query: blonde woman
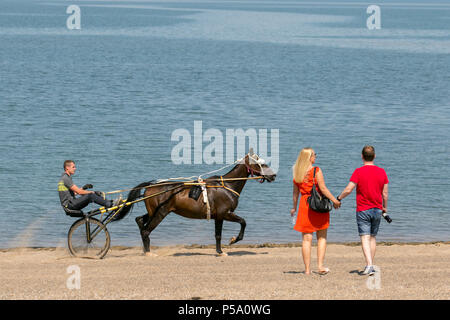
308	220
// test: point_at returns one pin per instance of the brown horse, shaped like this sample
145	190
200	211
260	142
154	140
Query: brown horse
175	197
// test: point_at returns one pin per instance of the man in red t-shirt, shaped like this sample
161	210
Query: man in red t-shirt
371	184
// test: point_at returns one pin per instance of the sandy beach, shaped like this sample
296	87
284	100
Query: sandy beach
407	271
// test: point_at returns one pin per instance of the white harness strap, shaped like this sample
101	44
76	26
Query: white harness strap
205	198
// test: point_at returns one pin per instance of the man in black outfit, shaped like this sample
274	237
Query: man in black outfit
67	190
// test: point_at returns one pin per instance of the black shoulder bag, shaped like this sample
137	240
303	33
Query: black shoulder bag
316	201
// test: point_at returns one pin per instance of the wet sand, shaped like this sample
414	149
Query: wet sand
407	271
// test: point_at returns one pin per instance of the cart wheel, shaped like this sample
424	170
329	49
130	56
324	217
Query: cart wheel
79	243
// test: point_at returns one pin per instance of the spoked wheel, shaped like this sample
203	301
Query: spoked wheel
88	238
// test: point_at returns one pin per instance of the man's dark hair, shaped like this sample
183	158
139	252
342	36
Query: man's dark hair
368	153
66	163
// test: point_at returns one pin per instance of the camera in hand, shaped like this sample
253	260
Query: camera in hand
386	217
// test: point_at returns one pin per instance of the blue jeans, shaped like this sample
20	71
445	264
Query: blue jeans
85	199
368	221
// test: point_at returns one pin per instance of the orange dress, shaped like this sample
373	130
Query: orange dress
308	220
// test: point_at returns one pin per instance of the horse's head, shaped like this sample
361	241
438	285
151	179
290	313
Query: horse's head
256	166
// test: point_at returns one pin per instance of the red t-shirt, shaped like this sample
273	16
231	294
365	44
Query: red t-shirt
369	180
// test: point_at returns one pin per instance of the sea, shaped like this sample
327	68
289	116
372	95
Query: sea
120	87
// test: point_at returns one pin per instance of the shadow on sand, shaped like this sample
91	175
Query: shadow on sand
294	272
359	273
232	253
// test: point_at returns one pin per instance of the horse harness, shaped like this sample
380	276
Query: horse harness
203	186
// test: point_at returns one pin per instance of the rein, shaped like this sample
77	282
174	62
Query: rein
251	171
223	184
191	183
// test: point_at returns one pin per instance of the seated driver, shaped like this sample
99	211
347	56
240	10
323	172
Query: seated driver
67	191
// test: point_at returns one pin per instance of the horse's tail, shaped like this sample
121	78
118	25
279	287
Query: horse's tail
133	195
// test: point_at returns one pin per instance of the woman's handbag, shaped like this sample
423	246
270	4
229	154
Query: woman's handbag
316	201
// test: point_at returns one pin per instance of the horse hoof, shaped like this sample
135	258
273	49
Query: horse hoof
223	254
150	254
232	240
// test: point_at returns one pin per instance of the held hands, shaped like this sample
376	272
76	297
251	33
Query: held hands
337	204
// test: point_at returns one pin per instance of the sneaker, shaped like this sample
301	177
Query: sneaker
117	201
368	270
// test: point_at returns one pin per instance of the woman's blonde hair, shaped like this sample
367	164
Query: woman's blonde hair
302	164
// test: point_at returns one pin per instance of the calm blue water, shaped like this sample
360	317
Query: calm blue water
110	95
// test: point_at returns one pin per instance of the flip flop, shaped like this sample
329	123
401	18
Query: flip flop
324	272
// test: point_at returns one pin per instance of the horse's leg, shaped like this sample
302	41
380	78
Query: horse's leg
152	223
230	216
219	224
142	221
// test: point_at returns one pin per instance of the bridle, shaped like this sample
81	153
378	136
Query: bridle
252	171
